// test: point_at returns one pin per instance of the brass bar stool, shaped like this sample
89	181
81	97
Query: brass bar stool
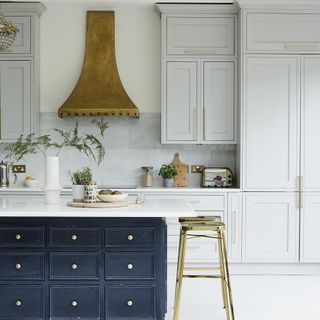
205	223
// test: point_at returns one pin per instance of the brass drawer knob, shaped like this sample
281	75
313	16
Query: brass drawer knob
74	237
74	266
18	236
74	303
130	303
130	266
130	237
18	266
18	303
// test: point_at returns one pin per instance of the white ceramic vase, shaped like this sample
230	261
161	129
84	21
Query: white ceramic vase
167	183
52	186
77	192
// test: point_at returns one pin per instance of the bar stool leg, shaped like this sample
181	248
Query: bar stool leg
222	272
180	268
227	274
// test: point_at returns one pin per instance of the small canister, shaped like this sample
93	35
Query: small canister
4	174
147	178
90	192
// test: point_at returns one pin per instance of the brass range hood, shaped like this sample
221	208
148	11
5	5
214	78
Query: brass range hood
99	91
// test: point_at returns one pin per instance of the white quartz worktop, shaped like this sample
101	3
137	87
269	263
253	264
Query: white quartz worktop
34	206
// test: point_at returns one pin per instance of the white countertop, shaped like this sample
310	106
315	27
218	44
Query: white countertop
32	206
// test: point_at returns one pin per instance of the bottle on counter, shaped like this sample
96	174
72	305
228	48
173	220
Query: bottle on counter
147	178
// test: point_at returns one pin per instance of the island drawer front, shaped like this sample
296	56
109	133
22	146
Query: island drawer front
74	302
67	265
21	303
130	265
130	236
24	236
74	237
20	265
200	36
130	302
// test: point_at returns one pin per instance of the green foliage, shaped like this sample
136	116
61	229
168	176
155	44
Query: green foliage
88	144
81	176
167	172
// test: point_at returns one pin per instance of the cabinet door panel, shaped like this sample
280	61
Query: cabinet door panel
218	101
15	82
271	123
271	227
181	102
310	221
310	129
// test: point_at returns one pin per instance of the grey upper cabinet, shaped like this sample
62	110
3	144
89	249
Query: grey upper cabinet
15	99
199	80
19	73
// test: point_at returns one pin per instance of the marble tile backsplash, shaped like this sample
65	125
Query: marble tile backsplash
130	144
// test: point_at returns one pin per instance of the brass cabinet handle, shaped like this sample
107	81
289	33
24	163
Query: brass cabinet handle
130	237
74	266
130	266
18	303
18	236
74	237
18	266
74	303
130	303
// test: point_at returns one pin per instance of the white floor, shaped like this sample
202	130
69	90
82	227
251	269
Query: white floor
255	298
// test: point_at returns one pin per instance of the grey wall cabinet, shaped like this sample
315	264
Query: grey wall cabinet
19	73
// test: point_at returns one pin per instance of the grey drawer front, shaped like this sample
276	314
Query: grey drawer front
86	299
20	265
130	302
130	265
25	236
66	265
31	302
130	237
75	237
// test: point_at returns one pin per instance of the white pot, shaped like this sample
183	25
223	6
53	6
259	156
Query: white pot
52	180
77	192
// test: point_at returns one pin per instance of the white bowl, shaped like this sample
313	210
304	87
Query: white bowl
112	197
31	183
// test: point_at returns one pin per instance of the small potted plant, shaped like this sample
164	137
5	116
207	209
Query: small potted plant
79	179
167	172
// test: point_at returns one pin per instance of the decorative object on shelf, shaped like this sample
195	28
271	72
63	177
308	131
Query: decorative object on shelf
4	174
89	144
90	192
8	32
30	182
79	179
147	178
181	179
167	172
106	195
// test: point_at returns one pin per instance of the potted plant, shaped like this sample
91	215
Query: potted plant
167	172
79	179
88	144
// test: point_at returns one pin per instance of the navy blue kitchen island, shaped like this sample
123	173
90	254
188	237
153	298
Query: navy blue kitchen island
56	263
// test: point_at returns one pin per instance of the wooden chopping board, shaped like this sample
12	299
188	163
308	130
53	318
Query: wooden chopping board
181	179
98	204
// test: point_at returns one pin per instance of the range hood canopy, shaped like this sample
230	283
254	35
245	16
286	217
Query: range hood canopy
99	91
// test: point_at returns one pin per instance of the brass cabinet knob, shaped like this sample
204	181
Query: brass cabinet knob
130	266
18	266
74	237
18	236
130	237
130	303
74	266
18	303
74	303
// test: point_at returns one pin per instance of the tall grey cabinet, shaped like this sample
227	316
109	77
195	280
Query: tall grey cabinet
19	73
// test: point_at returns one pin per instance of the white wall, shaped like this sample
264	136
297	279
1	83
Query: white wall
137	50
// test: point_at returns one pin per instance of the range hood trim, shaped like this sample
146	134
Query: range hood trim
99	90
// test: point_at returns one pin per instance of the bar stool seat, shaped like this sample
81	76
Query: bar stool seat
217	228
